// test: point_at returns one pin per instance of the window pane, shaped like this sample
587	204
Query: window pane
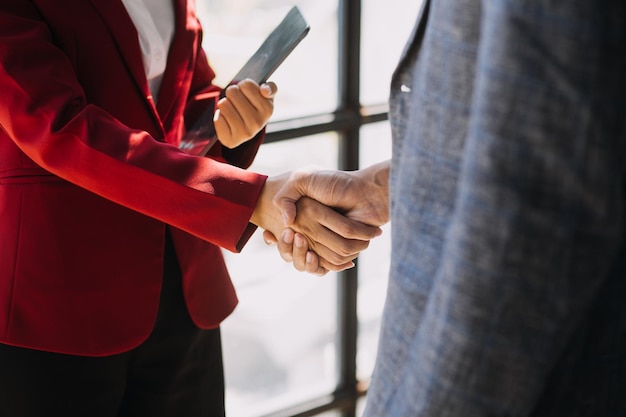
360	406
385	28
307	80
329	414
279	344
373	262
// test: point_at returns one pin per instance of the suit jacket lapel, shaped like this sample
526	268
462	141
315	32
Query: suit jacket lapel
414	41
402	80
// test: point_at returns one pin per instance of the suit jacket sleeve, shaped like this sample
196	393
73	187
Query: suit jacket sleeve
45	112
538	218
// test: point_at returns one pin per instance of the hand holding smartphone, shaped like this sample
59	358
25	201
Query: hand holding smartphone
272	52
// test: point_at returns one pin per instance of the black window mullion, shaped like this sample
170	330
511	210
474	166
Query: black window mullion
349	71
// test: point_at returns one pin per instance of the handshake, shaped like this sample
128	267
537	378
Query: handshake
322	220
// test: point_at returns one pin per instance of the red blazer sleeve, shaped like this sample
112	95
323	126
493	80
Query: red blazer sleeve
46	113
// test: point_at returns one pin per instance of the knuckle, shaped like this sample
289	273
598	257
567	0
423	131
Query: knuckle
246	83
251	127
232	91
249	131
341	257
346	248
346	230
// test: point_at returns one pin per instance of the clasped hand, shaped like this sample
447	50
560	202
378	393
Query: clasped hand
326	237
327	231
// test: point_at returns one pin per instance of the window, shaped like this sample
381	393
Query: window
297	344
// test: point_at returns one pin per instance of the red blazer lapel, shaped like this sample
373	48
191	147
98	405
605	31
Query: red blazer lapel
181	55
126	37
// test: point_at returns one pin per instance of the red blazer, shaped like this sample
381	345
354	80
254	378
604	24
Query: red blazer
90	174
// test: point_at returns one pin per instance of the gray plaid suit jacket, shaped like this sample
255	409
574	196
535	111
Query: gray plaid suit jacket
507	290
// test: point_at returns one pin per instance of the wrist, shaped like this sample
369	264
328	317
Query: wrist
377	176
261	205
265	206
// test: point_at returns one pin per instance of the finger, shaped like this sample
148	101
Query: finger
311	221
227	121
313	264
269	89
252	90
285	245
309	261
300	249
331	256
285	199
269	238
240	113
328	266
287	209
255	100
222	128
346	227
306	260
332	247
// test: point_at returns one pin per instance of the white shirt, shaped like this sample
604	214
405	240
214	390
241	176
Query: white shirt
154	21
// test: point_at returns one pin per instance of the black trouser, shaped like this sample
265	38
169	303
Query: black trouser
177	371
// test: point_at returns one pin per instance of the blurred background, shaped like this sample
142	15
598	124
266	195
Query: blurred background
298	344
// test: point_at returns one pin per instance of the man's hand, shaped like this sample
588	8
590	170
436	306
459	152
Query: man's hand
243	112
361	195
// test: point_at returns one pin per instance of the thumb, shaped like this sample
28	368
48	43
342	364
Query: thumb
269	238
269	89
286	204
297	185
287	196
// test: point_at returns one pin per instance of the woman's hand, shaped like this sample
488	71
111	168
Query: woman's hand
293	247
243	112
